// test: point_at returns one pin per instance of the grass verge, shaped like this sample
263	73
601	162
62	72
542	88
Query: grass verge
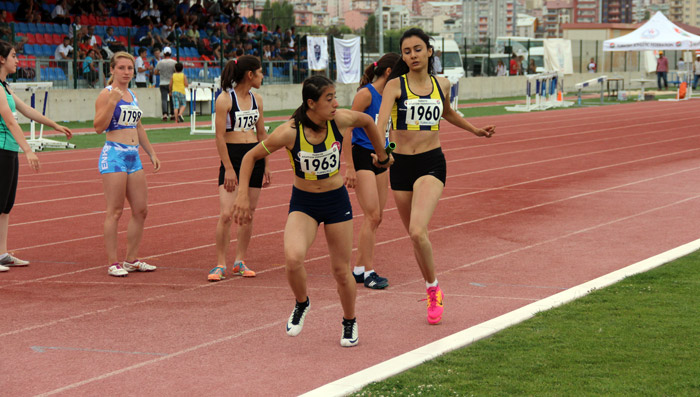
637	337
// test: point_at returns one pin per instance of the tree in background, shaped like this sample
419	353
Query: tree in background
278	13
370	33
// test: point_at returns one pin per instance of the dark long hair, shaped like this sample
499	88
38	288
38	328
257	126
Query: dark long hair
235	70
401	67
312	89
377	69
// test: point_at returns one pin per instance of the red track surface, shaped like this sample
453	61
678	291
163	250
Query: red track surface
553	200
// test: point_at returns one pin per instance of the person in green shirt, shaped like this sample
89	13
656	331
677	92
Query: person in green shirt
11	141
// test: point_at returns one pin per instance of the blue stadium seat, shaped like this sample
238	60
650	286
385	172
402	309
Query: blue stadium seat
31	28
45	74
21	27
60	75
41	28
64	29
30	49
46	50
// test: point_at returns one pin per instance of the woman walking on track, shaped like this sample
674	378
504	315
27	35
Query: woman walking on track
416	101
314	142
11	140
117	114
239	127
371	183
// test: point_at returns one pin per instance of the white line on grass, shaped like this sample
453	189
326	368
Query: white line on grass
396	365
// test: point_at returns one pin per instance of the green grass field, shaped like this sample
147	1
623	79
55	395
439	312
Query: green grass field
638	337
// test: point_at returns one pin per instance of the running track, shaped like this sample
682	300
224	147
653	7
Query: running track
553	200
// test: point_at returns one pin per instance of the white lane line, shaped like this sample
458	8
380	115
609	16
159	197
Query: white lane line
396	365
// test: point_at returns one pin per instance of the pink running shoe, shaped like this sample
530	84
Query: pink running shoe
435	306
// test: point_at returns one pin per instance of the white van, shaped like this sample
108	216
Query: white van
451	58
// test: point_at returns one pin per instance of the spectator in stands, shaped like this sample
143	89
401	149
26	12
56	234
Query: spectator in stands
437	62
592	67
166	32
181	11
90	71
177	91
90	32
165	69
661	71
75	26
193	35
154	14
123	8
532	67
514	65
6	33
110	40
59	14
63	54
157	56
501	69
26	10
142	69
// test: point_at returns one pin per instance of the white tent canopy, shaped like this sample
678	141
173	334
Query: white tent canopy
658	33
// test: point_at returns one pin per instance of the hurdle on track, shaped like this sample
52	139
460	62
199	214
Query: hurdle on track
203	89
548	89
39	143
600	80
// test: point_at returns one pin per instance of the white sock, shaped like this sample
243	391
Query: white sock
433	284
358	270
367	273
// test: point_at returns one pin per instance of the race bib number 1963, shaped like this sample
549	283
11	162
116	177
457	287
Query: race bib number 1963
423	111
321	163
245	120
129	115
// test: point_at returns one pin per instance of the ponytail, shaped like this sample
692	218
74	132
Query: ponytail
377	69
312	89
236	69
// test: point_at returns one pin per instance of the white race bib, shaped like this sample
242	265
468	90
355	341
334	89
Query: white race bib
320	163
245	120
129	115
423	111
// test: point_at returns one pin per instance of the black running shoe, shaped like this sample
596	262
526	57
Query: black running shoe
375	282
350	337
296	319
359	278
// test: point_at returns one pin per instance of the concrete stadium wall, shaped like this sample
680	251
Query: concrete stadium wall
79	105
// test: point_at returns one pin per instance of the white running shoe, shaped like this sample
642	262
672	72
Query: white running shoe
10	261
138	265
117	270
296	319
4	268
350	336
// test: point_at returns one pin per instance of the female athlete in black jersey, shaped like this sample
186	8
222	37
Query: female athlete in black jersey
416	100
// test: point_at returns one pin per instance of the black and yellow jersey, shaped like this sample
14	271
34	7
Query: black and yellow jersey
321	161
417	113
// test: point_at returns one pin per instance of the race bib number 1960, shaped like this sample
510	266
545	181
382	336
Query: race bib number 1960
423	111
129	115
245	120
320	163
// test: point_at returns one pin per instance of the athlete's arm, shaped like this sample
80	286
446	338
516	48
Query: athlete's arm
34	114
104	108
362	100
222	107
13	126
455	118
350	118
392	91
261	135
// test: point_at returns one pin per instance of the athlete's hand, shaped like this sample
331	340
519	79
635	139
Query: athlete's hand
375	161
115	95
487	131
156	163
66	131
230	180
350	179
33	161
241	210
267	177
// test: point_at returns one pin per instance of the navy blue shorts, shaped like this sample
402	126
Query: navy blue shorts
407	168
327	207
362	159
236	151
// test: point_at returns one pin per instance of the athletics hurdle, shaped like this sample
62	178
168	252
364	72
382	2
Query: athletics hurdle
39	143
545	87
192	89
600	80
